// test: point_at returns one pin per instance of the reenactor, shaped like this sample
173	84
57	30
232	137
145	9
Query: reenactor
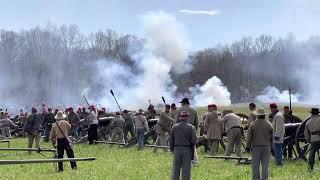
278	133
93	122
129	126
74	120
259	141
117	125
183	139
163	127
5	124
212	129
232	124
193	115
47	123
33	127
83	113
141	126
58	135
151	113
312	135
193	119
252	116
173	111
289	117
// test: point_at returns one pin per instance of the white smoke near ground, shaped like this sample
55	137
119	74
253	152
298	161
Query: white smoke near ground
271	94
213	91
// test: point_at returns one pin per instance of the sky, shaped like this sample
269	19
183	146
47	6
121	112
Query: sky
207	22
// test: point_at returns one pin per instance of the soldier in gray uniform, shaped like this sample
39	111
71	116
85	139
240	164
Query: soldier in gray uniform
193	115
129	126
212	128
163	128
260	141
32	128
183	139
232	124
312	135
5	125
117	126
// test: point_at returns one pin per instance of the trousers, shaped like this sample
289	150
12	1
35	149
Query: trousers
181	164
63	145
260	157
234	139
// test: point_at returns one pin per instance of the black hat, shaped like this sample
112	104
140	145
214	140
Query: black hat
185	101
168	106
314	111
252	105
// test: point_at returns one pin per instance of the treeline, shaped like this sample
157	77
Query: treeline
42	60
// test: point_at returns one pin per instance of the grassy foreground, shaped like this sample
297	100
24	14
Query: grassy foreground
118	163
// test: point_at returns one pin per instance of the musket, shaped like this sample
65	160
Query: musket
149	102
116	100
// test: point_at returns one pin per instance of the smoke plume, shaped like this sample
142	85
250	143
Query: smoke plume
271	94
213	91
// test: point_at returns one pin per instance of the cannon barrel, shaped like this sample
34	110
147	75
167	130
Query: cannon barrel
32	161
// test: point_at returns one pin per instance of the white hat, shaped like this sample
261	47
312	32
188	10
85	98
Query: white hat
260	111
60	115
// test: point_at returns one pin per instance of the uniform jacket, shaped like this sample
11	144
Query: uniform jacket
6	123
73	119
212	125
49	119
173	114
183	135
163	125
260	133
231	120
251	117
278	128
118	122
55	131
33	124
92	118
140	122
193	115
312	126
127	118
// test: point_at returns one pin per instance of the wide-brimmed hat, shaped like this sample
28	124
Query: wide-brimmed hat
314	111
259	112
140	111
60	115
185	101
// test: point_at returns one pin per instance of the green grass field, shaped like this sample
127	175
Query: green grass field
119	163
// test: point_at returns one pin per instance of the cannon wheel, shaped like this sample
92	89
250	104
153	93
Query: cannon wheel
301	143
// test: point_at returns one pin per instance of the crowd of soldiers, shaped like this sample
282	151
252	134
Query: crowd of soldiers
176	127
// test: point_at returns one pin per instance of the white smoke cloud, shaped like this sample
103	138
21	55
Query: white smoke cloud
166	49
200	12
213	91
272	94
